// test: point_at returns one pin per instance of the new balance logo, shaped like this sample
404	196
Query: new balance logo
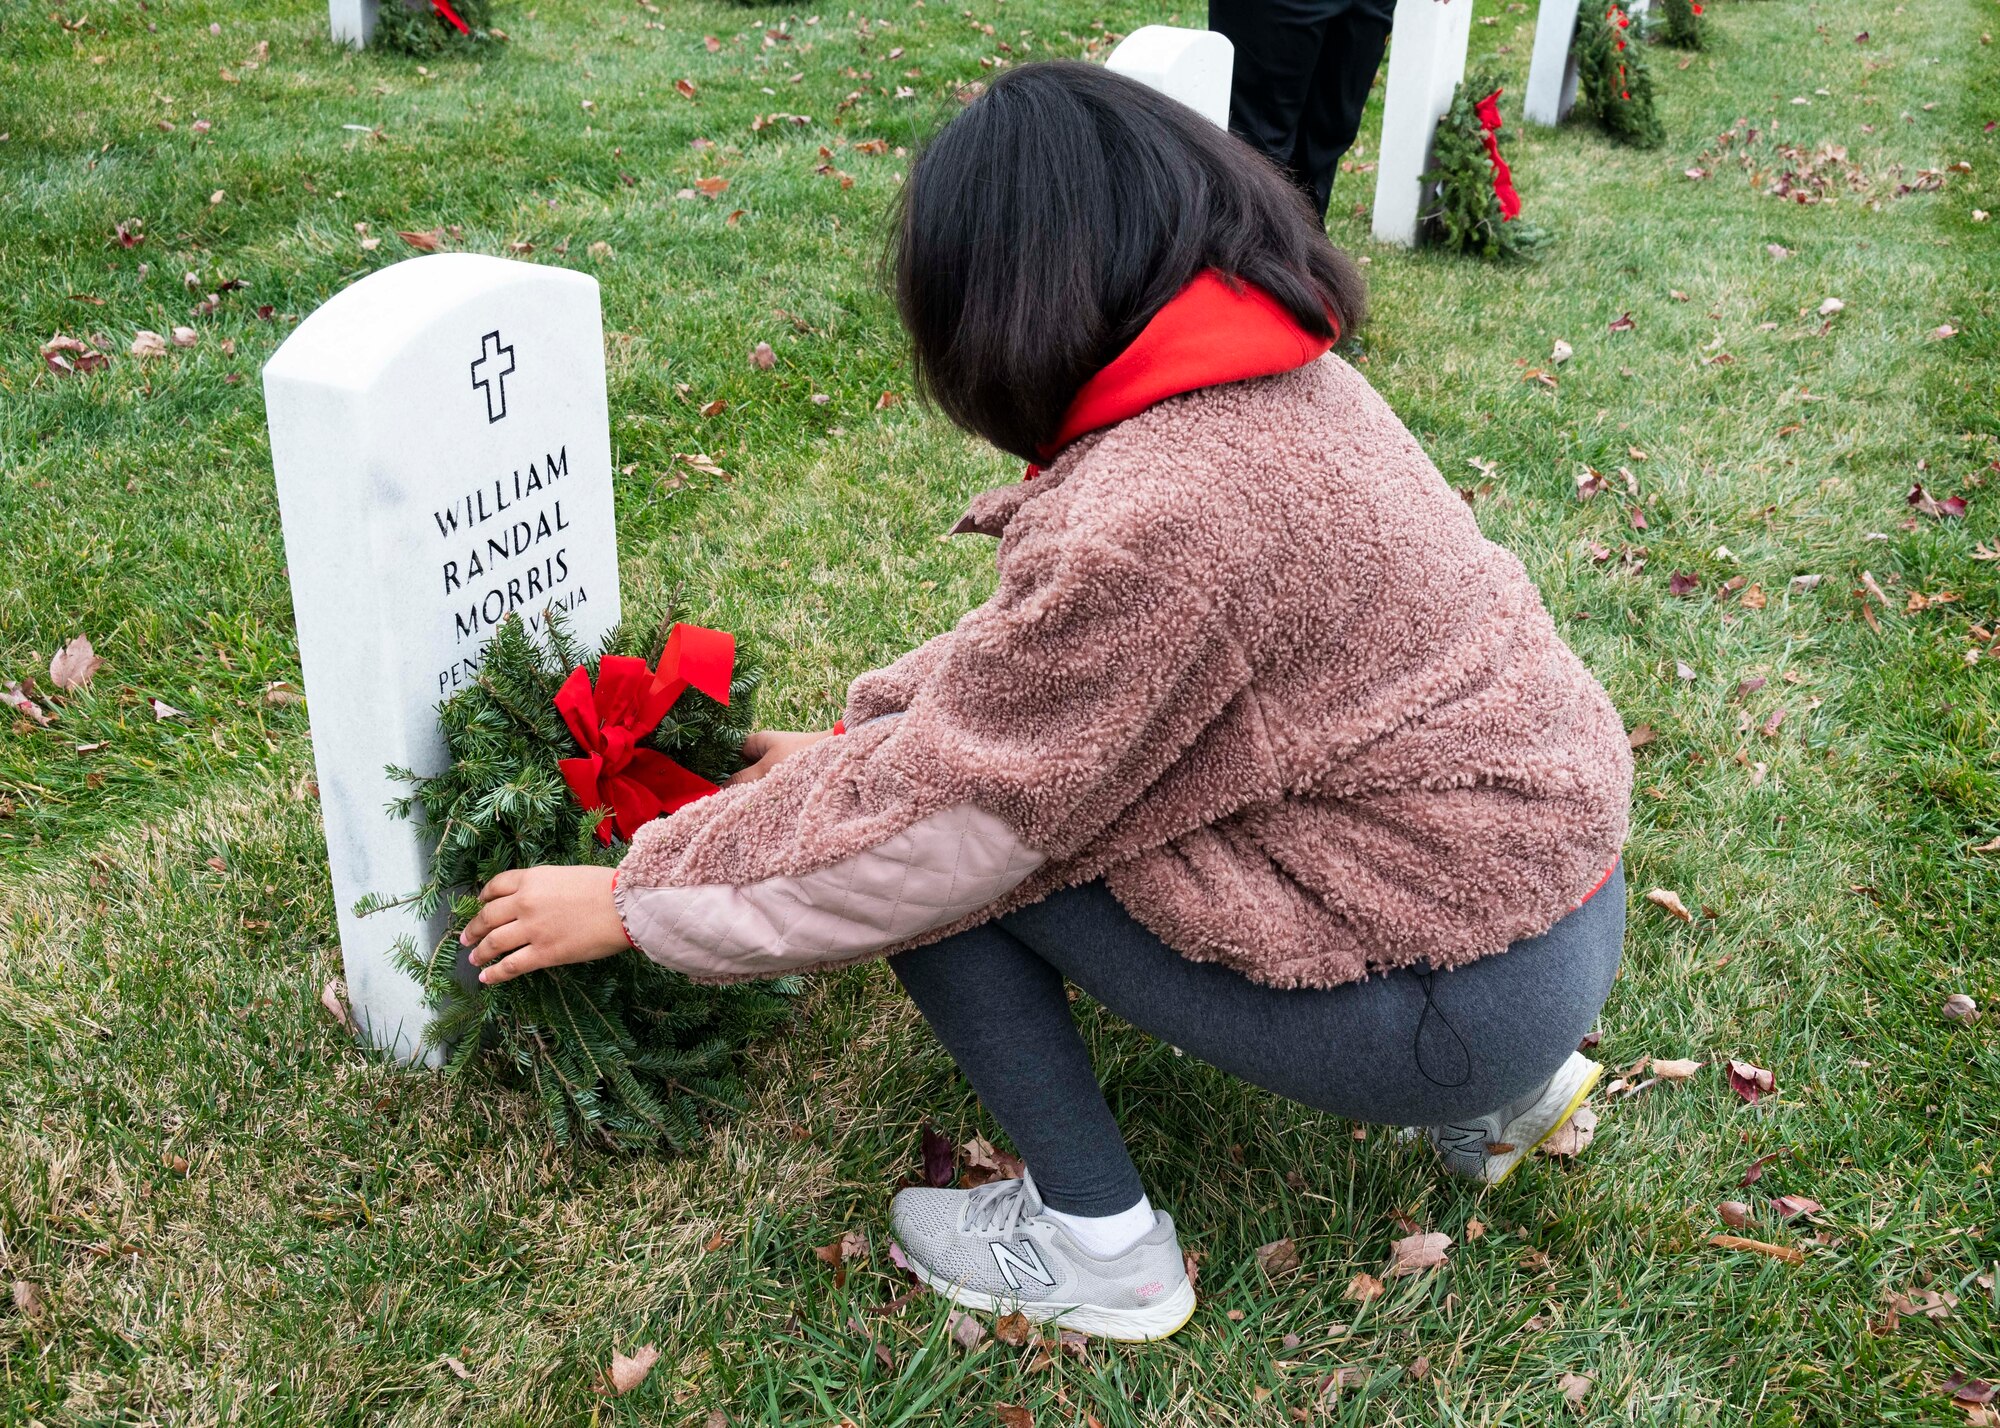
1019	1259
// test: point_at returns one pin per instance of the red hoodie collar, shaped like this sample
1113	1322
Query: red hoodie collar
1208	334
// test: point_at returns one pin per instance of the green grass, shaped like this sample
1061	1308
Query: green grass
165	923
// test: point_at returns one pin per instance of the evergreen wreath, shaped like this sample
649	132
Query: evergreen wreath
1613	79
431	27
620	1050
1472	206
1684	28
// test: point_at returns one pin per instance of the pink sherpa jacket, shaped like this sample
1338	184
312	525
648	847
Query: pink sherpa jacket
1251	662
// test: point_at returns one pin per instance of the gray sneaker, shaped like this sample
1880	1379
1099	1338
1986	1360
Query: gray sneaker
993	1249
1490	1147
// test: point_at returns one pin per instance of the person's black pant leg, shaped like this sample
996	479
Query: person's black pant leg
1349	58
1302	75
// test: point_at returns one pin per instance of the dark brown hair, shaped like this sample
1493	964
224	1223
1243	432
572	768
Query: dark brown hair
1047	223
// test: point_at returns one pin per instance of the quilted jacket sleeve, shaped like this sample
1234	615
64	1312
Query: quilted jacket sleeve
1028	731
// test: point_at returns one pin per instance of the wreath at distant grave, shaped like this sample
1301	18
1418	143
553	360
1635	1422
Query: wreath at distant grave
619	1050
430	27
1684	27
1613	79
1473	207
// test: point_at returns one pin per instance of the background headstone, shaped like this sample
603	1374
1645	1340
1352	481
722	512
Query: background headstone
1193	66
1426	62
443	459
353	21
1552	70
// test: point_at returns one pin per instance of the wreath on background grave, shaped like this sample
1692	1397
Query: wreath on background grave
1684	27
1613	79
429	27
620	1050
1472	205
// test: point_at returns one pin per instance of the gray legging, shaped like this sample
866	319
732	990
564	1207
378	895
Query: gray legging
1405	1048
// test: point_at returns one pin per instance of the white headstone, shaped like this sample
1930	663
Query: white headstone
1193	66
1426	62
443	458
352	21
1552	70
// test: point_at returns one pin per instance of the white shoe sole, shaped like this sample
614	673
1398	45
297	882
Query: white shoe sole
1155	1321
1567	1090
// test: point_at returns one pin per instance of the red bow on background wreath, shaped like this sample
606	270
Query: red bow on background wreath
639	785
1488	110
451	16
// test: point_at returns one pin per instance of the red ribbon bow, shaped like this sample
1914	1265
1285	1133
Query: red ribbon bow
639	785
1488	110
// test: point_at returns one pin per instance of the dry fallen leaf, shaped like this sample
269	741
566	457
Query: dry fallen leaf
684	88
163	710
1278	1257
628	1373
1575	1388
967	1332
1573	1136
1014	1329
1733	1213
1013	1415
1750	1081
1682	583
27	1300
939	1161
1669	901
16	698
762	357
148	344
714	186
1640	736
1417	1253
423	242
455	1364
1675	1070
1562	352
185	336
1474	1229
1364	1287
1831	306
1737	1242
1959	1007
599	249
333	996
1791	1207
74	665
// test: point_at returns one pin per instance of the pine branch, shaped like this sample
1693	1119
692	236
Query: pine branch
1614	81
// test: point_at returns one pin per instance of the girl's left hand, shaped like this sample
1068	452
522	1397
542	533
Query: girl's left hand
543	917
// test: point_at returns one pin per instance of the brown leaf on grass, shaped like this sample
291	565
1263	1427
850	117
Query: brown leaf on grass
1364	1287
1950	508
1733	1213
1965	1389
185	336
1939	333
147	344
965	1331
333	996
762	357
711	44
1959	1007
714	408
1683	583
939	1163
163	711
853	1244
1924	1304
27	1300
70	356
714	186
1750	1081
1278	1257
1737	1242
684	87
985	1163
1589	482
628	1373
1013	1415
1754	598
455	1364
17	699
1792	1207
1769	728
1575	1387
1474	1229
423	242
1572	1137
1669	901
1417	1253
74	665
1623	322
1013	1330
1754	1171
1640	736
886	400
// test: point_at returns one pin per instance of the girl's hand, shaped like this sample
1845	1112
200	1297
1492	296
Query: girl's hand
543	917
767	748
